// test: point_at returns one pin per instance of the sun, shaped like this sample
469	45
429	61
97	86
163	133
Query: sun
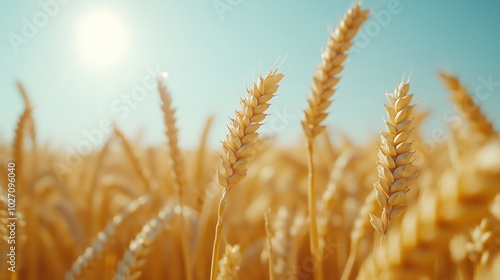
101	38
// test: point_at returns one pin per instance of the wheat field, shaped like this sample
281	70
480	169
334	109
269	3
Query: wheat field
323	208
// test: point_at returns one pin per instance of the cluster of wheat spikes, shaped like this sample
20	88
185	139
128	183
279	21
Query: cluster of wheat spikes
390	208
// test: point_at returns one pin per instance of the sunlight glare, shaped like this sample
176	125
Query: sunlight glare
102	38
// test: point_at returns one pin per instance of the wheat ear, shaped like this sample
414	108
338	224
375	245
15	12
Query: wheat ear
238	146
230	263
103	237
477	247
327	73
200	178
459	201
466	106
176	163
133	158
31	122
31	219
134	257
94	182
324	80
18	144
395	157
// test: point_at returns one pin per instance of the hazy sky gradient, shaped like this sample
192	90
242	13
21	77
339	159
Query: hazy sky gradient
210	60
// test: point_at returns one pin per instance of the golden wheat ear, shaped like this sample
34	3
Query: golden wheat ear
395	158
239	146
327	73
19	143
460	199
135	256
31	120
324	81
92	252
466	106
176	163
229	265
25	123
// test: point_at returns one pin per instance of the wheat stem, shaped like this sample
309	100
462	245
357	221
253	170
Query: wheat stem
134	159
270	251
311	202
359	231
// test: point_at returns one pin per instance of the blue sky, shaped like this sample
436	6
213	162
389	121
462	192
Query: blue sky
211	54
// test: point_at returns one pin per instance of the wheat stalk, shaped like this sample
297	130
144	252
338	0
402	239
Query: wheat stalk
238	146
359	231
134	159
199	177
201	153
466	106
94	186
324	80
270	252
395	157
280	241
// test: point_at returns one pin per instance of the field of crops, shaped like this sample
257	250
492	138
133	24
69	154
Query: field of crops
325	208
